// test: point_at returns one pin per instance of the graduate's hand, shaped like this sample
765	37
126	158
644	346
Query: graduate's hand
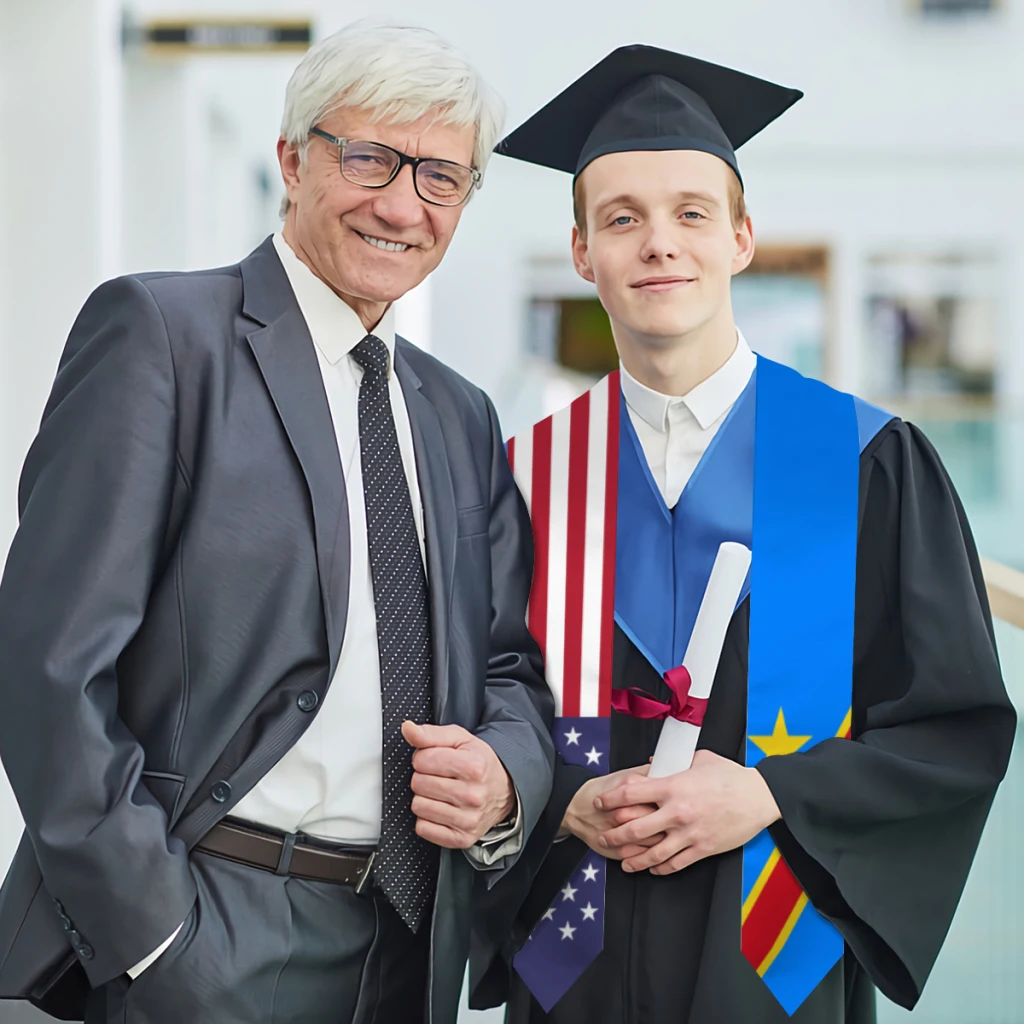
584	820
461	788
714	806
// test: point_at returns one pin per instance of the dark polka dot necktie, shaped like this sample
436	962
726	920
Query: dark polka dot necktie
406	865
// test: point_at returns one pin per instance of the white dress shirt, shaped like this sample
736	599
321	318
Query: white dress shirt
329	784
675	432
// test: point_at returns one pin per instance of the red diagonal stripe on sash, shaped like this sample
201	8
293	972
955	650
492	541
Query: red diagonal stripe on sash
611	505
769	914
540	516
576	536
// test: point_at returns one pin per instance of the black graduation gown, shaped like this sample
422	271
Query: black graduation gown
880	832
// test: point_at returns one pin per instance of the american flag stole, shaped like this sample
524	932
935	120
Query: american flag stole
566	468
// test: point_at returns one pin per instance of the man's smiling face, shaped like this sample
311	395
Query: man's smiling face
371	245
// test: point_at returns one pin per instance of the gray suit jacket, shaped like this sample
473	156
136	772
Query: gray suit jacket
180	576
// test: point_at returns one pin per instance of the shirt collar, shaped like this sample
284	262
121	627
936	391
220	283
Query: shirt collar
333	324
708	401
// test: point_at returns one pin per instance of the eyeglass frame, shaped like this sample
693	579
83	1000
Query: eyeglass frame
403	159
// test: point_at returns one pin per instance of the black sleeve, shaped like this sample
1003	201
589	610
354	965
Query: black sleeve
881	831
94	503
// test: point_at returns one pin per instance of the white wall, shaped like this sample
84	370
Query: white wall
9	820
197	132
7	518
61	214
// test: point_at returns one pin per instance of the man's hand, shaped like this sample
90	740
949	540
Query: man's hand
461	787
586	821
714	806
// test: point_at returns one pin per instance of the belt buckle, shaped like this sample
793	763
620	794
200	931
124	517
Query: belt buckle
365	875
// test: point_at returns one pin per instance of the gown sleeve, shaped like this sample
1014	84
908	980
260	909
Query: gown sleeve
881	831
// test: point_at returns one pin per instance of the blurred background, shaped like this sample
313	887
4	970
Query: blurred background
887	207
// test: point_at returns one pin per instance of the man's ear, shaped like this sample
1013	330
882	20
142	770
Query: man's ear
288	158
581	256
744	246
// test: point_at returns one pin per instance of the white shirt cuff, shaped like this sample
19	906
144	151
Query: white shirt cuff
134	972
499	843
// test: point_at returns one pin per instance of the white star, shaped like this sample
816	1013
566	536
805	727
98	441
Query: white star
568	893
588	912
573	737
549	914
567	930
590	873
593	755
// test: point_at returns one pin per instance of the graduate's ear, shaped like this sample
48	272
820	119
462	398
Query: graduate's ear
581	256
744	246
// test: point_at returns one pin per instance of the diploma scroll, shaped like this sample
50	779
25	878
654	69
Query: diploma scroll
678	740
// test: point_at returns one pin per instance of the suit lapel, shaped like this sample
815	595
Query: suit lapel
287	360
440	520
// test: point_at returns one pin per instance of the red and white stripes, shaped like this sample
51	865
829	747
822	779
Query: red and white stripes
566	468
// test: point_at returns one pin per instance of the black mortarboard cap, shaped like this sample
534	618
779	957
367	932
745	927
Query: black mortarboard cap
645	98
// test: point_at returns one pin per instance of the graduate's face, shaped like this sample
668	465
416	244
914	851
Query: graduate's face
660	243
335	224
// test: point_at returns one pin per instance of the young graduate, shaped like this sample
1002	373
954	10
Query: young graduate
858	726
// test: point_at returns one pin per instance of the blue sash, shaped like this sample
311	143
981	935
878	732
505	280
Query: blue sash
794	501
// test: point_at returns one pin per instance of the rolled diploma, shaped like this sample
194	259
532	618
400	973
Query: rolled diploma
678	740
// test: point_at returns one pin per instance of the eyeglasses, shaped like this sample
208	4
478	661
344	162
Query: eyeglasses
374	165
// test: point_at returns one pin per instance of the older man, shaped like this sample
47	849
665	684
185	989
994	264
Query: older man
269	700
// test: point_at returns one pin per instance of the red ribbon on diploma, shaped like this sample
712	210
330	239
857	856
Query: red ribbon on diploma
681	706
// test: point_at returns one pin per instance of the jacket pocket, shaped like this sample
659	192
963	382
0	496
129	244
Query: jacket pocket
168	957
473	521
167	787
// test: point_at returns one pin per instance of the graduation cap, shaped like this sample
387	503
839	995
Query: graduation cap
645	98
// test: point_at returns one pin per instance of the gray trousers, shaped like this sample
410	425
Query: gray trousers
261	948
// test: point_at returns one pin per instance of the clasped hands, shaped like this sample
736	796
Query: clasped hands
461	789
664	825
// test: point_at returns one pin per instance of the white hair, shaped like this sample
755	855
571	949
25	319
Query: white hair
394	73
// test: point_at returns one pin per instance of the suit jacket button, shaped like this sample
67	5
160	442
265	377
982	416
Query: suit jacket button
308	700
221	791
76	939
85	952
67	922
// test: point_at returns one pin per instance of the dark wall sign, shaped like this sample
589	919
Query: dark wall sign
221	35
956	6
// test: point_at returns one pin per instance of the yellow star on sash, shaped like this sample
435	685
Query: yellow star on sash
780	741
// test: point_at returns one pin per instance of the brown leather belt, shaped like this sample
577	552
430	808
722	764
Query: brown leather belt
286	855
